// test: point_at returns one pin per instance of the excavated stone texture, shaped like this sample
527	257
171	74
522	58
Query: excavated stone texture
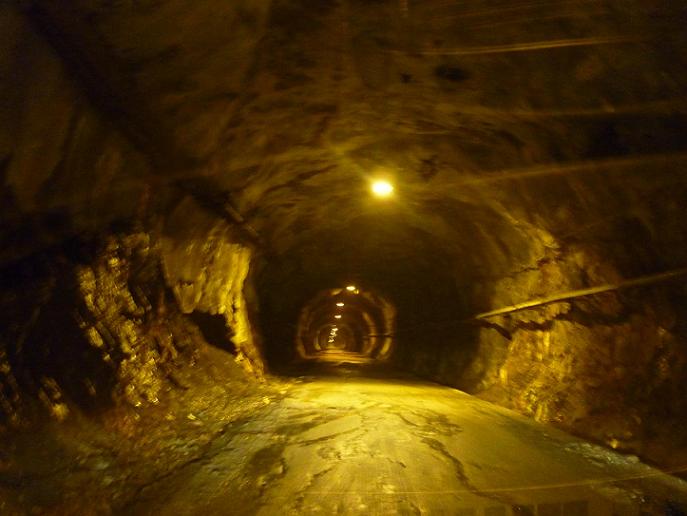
517	173
610	367
207	267
87	319
63	168
103	331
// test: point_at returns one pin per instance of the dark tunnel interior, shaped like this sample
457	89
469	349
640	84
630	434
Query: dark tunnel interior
343	257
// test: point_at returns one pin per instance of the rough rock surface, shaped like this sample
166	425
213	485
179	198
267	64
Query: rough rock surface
206	266
100	331
535	148
89	321
610	367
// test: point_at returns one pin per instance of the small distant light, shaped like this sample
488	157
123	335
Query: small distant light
382	188
351	288
339	304
337	317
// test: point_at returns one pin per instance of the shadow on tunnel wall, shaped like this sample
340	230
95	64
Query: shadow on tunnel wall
435	338
215	330
53	352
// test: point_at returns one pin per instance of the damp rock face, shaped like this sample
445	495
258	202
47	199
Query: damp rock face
207	267
102	332
94	297
610	368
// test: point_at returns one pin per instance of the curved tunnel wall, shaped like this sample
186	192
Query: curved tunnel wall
366	317
517	176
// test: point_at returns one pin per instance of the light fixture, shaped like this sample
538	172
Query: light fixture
339	304
337	317
382	188
351	288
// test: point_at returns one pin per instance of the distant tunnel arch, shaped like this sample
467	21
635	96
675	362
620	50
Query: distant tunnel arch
359	321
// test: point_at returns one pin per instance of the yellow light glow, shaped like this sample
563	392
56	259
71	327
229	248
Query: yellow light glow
382	188
337	317
339	304
351	288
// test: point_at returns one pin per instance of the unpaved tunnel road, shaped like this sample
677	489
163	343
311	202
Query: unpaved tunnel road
354	445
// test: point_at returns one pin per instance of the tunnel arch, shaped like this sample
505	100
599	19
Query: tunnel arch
242	177
366	317
337	336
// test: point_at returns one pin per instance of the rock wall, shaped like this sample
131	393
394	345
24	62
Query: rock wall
206	266
86	329
87	318
96	326
610	367
63	168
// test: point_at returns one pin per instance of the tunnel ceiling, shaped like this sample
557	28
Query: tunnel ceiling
498	122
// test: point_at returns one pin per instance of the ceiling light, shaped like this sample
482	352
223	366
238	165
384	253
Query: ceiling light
351	288
339	304
382	188
337	317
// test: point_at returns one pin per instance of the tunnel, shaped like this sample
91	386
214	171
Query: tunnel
347	319
343	257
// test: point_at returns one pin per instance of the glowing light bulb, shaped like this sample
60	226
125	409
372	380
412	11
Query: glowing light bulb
382	188
351	288
339	304
337	317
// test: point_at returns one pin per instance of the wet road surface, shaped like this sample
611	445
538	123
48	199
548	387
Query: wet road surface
350	444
